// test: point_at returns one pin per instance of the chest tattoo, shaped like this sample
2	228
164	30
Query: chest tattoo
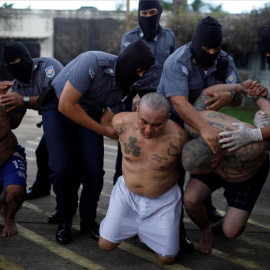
131	148
158	158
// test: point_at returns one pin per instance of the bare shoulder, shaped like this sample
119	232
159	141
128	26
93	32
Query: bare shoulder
121	120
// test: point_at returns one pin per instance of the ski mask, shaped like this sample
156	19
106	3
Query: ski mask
265	39
149	25
136	55
208	33
22	70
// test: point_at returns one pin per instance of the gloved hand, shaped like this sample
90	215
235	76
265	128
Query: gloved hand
244	135
261	119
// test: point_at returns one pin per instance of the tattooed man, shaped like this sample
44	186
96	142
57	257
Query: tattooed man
242	173
12	169
146	200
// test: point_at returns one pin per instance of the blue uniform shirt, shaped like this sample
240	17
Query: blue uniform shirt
44	70
182	76
92	73
162	46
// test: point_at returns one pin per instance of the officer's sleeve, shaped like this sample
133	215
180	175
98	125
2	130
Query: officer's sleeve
174	79
82	74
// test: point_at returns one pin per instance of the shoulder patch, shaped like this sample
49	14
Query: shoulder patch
231	78
50	72
184	70
91	73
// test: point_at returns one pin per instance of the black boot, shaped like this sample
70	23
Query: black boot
54	218
63	233
92	228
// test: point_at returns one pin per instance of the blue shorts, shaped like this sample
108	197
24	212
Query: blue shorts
241	195
13	171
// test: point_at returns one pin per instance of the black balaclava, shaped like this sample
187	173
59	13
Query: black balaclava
149	25
208	33
265	39
22	70
136	55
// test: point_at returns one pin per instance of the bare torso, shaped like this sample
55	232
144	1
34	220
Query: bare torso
241	164
150	166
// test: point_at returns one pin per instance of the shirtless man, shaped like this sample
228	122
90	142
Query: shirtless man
12	169
146	200
242	173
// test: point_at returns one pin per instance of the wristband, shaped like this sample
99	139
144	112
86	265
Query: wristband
234	96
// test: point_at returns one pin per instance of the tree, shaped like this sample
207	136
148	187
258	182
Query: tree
179	6
7	6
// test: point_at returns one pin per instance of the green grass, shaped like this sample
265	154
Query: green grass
243	114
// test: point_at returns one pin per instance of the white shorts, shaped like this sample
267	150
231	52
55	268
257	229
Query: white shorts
155	221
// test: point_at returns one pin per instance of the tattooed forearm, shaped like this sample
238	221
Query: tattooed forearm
199	104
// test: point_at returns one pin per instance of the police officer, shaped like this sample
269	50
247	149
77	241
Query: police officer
31	77
74	135
189	70
160	39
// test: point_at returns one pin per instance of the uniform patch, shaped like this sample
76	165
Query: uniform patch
91	73
50	72
231	78
184	70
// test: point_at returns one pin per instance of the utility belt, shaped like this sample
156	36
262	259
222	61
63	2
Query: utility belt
48	95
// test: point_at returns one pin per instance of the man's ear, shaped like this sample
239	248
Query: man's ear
214	162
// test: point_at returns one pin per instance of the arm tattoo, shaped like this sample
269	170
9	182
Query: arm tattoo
199	103
173	149
119	130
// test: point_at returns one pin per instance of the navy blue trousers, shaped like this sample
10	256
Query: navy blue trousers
75	157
